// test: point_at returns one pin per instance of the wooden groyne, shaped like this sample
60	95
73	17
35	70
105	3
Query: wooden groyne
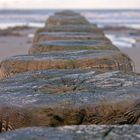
73	75
68	41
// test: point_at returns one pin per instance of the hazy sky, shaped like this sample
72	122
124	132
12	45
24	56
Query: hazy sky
70	4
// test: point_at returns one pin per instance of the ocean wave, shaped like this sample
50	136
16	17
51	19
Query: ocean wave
36	18
121	41
20	24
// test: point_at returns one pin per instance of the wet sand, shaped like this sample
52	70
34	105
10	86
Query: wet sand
134	54
15	44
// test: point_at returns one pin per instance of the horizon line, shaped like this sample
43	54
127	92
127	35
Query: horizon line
69	8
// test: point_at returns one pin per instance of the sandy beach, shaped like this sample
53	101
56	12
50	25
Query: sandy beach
134	54
16	44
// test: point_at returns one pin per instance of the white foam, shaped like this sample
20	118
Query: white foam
7	25
121	41
135	26
31	35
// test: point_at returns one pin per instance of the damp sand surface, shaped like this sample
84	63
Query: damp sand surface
15	43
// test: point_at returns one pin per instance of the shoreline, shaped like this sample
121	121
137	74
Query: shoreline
127	40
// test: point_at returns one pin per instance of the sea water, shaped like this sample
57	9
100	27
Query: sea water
129	18
103	18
